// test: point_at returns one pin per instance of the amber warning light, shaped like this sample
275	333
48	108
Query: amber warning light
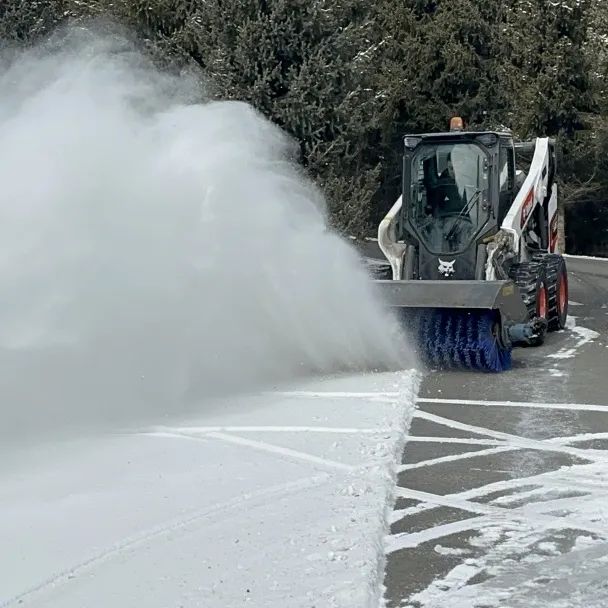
456	124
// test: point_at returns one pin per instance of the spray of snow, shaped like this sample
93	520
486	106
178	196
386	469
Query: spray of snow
158	251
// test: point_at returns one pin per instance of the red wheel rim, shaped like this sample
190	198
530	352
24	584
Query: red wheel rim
563	294
542	302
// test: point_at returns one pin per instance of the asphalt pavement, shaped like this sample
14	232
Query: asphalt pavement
503	488
504	474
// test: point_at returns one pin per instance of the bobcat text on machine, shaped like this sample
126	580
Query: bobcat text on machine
472	243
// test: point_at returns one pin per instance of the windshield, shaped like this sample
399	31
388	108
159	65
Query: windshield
449	195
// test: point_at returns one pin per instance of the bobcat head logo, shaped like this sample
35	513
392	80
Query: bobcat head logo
446	268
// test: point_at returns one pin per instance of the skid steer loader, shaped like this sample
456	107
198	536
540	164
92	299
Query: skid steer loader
473	247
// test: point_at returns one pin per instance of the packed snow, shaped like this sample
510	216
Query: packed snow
278	499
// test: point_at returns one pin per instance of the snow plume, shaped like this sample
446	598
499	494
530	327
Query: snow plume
156	251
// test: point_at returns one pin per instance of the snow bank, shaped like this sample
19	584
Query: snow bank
158	251
278	499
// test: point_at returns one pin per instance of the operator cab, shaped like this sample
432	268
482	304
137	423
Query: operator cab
450	193
458	187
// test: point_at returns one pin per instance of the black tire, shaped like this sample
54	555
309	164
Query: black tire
530	278
557	285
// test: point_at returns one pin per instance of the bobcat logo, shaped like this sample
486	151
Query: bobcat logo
446	268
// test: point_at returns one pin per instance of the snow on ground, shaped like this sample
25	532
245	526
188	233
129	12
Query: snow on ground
531	541
515	568
584	335
278	499
547	548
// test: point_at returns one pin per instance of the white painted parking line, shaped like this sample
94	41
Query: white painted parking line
410	540
260	445
391	396
454	458
269	429
541	481
338	394
459	440
536	512
283	452
578	438
486	513
587	407
452	502
515	440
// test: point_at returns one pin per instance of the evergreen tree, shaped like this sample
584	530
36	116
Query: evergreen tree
439	58
303	64
347	80
22	21
549	84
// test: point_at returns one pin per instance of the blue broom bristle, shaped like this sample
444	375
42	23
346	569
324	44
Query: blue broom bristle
461	339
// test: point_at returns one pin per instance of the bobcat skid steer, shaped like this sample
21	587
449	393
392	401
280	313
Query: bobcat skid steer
473	247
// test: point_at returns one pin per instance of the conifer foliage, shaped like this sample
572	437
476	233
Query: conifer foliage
348	78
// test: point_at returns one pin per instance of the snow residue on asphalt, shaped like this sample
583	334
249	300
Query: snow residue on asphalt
450	550
159	249
583	336
286	505
547	547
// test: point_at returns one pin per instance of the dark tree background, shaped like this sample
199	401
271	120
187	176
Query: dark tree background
347	78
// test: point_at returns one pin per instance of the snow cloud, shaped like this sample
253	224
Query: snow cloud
158	251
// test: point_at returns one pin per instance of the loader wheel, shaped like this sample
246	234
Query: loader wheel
557	286
531	279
